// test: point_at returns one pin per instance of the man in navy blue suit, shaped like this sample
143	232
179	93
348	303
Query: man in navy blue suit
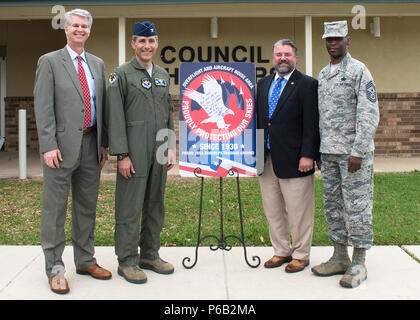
287	111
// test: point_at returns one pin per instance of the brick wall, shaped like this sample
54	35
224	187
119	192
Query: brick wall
13	104
398	134
175	100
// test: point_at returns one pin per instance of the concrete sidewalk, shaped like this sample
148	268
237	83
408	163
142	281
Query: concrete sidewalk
218	275
393	272
9	166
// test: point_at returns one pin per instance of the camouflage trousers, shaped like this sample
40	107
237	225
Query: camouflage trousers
348	199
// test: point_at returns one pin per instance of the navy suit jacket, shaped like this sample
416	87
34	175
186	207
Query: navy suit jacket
293	127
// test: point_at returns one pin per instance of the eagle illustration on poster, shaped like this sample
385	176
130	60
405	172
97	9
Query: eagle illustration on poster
211	100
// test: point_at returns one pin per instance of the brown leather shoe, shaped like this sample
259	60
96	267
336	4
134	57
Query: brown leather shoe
96	271
276	261
58	284
296	265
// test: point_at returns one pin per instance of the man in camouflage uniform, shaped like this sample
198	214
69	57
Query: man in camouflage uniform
139	107
348	118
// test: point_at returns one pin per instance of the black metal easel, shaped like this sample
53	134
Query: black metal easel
221	242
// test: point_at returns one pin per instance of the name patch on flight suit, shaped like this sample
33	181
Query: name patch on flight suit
146	83
160	82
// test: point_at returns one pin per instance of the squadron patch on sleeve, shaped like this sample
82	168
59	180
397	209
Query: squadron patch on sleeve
112	80
371	91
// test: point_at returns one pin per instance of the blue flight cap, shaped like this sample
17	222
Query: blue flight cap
145	29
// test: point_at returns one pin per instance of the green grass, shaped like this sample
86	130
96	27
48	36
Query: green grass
396	208
396	211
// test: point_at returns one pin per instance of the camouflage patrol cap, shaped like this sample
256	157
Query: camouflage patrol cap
335	29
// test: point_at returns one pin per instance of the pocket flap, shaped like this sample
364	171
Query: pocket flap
135	123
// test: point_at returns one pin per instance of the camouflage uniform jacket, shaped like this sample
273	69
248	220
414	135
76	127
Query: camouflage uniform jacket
348	108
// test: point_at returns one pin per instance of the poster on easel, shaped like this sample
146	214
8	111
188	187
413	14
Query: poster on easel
217	121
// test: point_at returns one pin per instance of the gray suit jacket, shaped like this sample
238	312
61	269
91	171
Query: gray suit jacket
59	105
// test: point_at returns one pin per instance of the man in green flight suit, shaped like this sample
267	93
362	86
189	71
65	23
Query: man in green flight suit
139	117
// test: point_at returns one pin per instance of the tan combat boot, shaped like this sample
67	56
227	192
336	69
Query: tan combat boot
132	274
158	265
357	272
338	263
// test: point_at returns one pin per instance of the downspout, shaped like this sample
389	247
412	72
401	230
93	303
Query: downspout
3	96
308	45
121	40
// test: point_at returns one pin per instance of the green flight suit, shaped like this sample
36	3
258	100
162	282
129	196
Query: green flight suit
138	106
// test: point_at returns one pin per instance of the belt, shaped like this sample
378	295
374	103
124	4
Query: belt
87	130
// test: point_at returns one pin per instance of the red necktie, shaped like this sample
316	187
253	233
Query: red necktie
86	93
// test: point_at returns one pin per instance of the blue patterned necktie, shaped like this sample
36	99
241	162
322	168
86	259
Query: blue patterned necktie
274	98
275	95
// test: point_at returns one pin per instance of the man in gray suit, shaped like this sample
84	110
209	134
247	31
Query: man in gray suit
69	100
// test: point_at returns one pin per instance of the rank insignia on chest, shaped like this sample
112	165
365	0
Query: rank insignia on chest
160	82
112	78
146	83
